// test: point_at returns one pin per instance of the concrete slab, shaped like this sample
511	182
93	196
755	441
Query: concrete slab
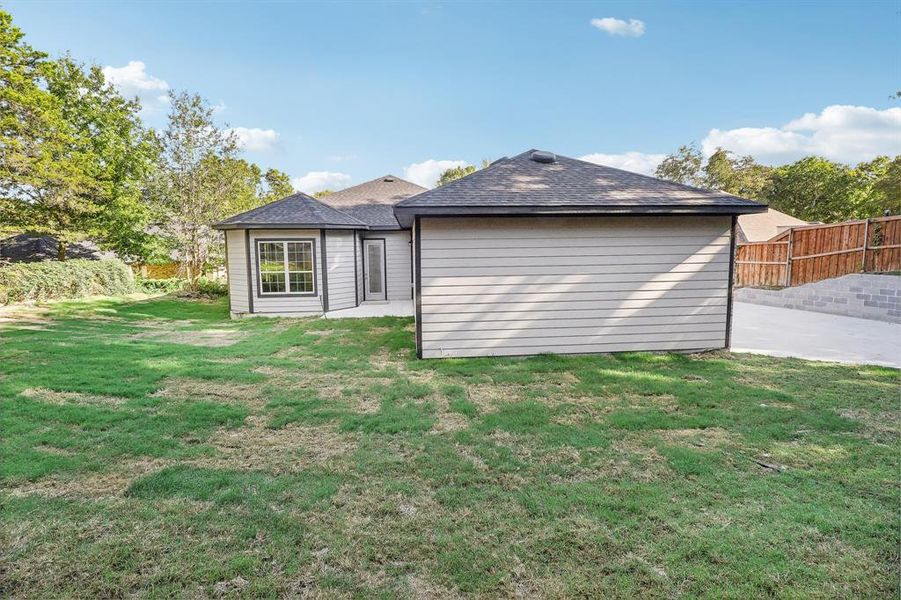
393	308
814	336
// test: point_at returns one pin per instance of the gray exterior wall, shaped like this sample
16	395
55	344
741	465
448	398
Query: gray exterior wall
341	280
237	271
508	286
345	271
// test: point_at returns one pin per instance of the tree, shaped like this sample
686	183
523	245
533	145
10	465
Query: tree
879	187
813	189
740	176
322	193
455	173
74	152
682	167
277	185
199	181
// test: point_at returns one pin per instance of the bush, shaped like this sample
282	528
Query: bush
74	278
160	286
212	288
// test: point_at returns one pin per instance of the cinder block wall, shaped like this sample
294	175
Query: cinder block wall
864	296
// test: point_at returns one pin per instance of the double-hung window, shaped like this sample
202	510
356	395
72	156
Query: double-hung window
286	267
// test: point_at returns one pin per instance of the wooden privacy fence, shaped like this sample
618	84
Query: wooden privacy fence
816	252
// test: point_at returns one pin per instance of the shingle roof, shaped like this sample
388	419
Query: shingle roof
764	226
521	185
373	202
295	211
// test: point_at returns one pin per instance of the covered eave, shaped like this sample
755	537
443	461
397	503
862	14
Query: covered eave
224	226
406	214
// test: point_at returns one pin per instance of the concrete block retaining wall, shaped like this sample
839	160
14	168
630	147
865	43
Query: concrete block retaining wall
861	295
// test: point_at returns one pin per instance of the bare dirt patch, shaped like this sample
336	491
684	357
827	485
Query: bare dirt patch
26	316
111	484
187	388
489	397
55	397
712	436
210	338
423	588
880	423
633	459
288	449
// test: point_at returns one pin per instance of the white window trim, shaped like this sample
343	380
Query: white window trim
284	243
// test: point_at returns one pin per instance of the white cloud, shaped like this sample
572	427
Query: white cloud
254	139
133	81
843	133
316	181
637	162
630	28
427	172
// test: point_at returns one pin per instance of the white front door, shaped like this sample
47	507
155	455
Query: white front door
374	270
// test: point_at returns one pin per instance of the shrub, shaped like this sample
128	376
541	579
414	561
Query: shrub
160	286
212	288
67	279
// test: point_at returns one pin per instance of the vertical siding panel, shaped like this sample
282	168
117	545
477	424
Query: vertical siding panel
237	271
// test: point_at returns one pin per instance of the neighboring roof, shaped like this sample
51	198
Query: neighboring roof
537	182
763	226
294	212
373	202
26	247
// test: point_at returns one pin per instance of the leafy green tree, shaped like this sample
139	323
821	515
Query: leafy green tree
684	166
455	173
199	181
322	193
119	155
276	185
813	189
879	187
74	152
741	176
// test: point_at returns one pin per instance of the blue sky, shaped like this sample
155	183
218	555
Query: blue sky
339	93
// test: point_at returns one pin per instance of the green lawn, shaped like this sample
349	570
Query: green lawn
156	448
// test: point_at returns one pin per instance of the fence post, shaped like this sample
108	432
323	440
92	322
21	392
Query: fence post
788	257
866	242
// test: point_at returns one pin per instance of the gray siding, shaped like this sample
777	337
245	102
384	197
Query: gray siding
237	271
340	259
398	263
507	286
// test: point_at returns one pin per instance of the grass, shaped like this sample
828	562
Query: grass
156	448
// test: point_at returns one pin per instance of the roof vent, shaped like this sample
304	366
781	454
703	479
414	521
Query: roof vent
540	156
389	179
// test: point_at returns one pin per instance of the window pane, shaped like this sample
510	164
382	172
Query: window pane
375	268
273	283
272	257
300	256
301	282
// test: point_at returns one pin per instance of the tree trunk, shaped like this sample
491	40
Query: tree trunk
61	248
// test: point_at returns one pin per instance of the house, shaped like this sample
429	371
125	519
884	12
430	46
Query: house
535	253
301	256
760	227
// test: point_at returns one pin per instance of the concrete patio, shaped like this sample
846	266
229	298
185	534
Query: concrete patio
392	308
814	336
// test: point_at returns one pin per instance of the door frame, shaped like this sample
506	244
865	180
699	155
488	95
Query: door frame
384	265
